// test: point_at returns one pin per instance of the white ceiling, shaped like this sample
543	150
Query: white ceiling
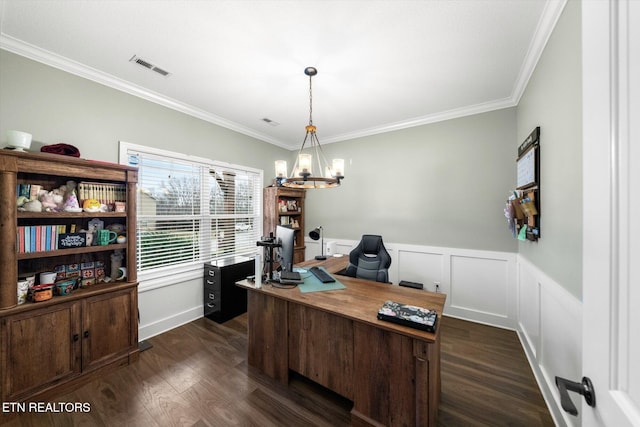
382	65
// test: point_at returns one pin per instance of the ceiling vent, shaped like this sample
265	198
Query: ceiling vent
146	64
271	122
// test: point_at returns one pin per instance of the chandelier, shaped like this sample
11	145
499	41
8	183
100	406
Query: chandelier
302	175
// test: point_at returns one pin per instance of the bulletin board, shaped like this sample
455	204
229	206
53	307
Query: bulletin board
527	206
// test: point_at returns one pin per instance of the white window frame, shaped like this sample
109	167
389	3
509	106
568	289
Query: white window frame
165	275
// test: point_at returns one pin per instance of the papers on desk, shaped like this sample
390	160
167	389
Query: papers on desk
409	315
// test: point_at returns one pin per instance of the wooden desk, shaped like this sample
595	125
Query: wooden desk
390	372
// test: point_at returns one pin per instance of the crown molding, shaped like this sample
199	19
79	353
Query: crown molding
548	20
424	120
552	11
45	57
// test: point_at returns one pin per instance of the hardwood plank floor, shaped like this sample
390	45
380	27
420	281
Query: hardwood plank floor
197	375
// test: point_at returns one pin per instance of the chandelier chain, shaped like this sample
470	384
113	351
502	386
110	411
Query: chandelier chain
310	102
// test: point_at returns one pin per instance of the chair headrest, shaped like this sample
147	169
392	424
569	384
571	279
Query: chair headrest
371	243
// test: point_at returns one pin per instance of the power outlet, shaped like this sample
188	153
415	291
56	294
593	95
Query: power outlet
437	285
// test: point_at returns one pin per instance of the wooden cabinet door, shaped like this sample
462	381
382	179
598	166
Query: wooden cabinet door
109	328
40	348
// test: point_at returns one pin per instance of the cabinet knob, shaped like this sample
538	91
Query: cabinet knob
86	334
76	337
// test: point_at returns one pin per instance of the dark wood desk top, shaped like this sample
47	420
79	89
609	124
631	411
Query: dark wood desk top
361	299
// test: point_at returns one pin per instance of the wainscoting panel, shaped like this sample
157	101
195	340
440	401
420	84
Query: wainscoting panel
550	330
529	308
421	267
480	285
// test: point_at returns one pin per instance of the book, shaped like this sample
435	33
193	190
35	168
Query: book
409	315
27	239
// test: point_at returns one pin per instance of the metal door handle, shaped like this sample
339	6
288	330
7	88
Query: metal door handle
584	388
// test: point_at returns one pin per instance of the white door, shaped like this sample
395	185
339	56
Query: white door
611	217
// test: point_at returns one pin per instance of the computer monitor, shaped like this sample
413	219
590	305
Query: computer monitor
286	237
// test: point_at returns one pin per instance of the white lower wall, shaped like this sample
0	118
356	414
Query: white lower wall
169	300
550	329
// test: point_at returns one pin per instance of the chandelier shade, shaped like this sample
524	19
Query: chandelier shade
307	173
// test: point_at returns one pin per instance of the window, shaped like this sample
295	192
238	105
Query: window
192	210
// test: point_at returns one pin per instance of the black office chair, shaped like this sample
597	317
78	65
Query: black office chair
369	260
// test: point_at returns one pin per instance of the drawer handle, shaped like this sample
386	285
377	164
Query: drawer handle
212	296
212	272
209	282
211	304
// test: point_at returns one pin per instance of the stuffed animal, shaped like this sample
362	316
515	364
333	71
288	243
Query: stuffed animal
21	201
51	200
32	206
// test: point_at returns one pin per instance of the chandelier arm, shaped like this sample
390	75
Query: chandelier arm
320	158
292	175
324	157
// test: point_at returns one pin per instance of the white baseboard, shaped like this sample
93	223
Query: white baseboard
170	301
167	323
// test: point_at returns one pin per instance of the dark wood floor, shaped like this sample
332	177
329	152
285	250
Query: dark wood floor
197	375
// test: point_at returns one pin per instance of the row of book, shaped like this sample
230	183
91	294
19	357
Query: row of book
104	192
39	238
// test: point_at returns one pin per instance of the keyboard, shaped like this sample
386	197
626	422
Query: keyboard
321	275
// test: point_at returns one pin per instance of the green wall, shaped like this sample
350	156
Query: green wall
55	106
553	101
442	184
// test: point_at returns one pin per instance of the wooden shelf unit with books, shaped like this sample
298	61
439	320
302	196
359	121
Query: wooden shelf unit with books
93	330
285	206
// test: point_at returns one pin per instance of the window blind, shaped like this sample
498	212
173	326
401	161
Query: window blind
193	211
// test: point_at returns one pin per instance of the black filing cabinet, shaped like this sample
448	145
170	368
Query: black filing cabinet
224	300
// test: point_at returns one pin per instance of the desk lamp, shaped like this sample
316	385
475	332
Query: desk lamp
316	234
